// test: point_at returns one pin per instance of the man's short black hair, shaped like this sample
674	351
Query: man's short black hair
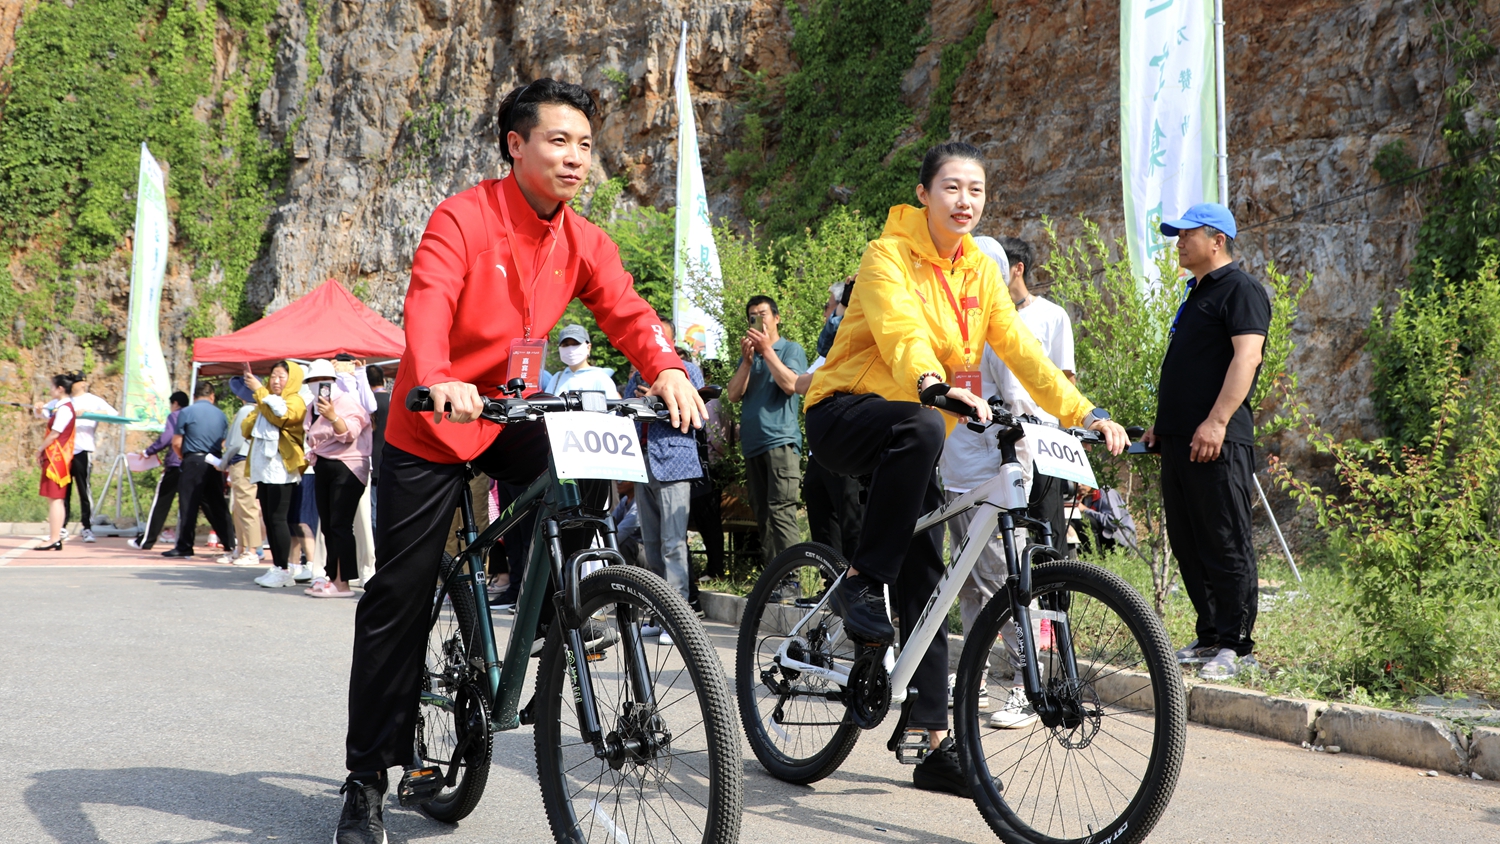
1229	247
1019	252
375	375
759	300
203	389
180	399
519	110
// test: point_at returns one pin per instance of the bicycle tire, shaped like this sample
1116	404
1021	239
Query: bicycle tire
591	800
1130	695
768	617
450	677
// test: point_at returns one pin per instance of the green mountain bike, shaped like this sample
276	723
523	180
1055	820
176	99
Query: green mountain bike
636	738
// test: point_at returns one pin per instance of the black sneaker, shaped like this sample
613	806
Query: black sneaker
939	771
860	602
504	599
362	821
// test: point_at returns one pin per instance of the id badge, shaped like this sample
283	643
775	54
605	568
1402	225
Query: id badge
526	358
968	379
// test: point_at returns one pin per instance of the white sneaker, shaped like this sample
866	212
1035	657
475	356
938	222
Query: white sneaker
984	692
225	558
275	578
302	574
64	534
88	535
167	537
665	639
1016	713
246	559
651	628
135	543
1227	664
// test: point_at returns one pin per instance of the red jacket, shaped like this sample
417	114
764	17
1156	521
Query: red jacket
466	304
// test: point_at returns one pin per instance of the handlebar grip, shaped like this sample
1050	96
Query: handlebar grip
1135	432
419	400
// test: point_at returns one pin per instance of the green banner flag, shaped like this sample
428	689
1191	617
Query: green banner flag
148	387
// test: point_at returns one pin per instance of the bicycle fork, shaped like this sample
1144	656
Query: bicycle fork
1052	708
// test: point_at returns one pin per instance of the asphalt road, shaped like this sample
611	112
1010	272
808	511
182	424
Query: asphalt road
184	704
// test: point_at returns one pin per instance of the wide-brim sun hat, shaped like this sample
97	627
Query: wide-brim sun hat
320	370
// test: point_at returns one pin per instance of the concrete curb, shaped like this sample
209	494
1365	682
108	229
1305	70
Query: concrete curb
1399	737
22	528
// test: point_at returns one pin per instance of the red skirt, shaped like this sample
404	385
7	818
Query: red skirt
52	489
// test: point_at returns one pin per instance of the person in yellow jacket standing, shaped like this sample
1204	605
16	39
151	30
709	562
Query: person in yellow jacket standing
276	435
924	303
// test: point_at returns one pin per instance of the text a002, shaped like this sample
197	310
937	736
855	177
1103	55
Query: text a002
595	445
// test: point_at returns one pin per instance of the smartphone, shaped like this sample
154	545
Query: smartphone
325	390
756	323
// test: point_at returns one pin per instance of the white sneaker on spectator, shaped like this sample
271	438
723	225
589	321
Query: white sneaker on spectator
226	558
651	628
167	537
135	543
64	534
984	692
275	578
1016	713
1227	664
302	574
665	639
246	559
88	535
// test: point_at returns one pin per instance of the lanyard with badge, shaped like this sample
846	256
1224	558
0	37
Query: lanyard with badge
968	377
526	354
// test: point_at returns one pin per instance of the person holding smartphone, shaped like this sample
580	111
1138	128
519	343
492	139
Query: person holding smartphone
338	445
766	381
276	458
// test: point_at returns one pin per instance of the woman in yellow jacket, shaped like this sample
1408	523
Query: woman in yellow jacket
276	435
924	302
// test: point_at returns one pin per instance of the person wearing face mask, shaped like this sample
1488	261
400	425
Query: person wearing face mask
573	347
925	303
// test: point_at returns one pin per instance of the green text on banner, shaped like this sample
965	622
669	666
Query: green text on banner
696	258
147	385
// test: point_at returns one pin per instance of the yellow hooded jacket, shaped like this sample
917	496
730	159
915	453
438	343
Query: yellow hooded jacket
289	444
901	324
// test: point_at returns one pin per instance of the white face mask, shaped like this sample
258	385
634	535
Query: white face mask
573	355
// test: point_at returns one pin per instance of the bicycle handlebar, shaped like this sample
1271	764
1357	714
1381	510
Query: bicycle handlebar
419	400
937	396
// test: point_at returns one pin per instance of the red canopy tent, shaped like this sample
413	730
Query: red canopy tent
324	323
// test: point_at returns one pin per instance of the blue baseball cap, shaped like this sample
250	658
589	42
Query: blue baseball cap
1202	214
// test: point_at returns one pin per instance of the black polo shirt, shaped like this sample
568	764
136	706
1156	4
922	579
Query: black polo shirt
1223	304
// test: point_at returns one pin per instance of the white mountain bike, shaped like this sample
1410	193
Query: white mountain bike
1100	761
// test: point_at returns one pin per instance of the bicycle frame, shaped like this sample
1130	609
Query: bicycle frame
559	503
989	498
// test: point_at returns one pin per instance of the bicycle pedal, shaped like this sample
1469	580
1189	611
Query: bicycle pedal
419	785
913	747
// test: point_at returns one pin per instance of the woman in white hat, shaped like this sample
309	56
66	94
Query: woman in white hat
573	347
339	439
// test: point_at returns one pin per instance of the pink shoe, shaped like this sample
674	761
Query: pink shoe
332	592
319	585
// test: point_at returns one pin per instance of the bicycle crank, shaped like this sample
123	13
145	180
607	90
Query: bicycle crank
868	696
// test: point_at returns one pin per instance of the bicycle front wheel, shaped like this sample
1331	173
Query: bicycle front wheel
795	719
671	769
1100	761
453	720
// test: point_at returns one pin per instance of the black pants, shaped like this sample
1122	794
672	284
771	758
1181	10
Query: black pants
833	509
1208	524
1046	504
79	469
898	444
417	502
704	516
201	485
338	492
161	504
275	508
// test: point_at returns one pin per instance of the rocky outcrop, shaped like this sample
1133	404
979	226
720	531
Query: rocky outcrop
401	115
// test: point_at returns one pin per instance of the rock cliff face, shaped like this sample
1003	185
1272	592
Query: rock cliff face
401	116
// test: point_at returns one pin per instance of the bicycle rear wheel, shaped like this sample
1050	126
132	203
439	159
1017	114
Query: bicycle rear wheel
673	769
795	720
1105	766
453	721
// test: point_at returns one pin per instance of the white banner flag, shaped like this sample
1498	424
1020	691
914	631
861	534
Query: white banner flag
1168	119
696	258
147	385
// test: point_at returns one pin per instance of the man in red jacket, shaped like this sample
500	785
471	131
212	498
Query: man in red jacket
497	265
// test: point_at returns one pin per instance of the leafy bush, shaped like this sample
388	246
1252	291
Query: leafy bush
1120	329
1416	525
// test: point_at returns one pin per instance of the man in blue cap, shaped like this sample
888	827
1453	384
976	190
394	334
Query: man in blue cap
1205	429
